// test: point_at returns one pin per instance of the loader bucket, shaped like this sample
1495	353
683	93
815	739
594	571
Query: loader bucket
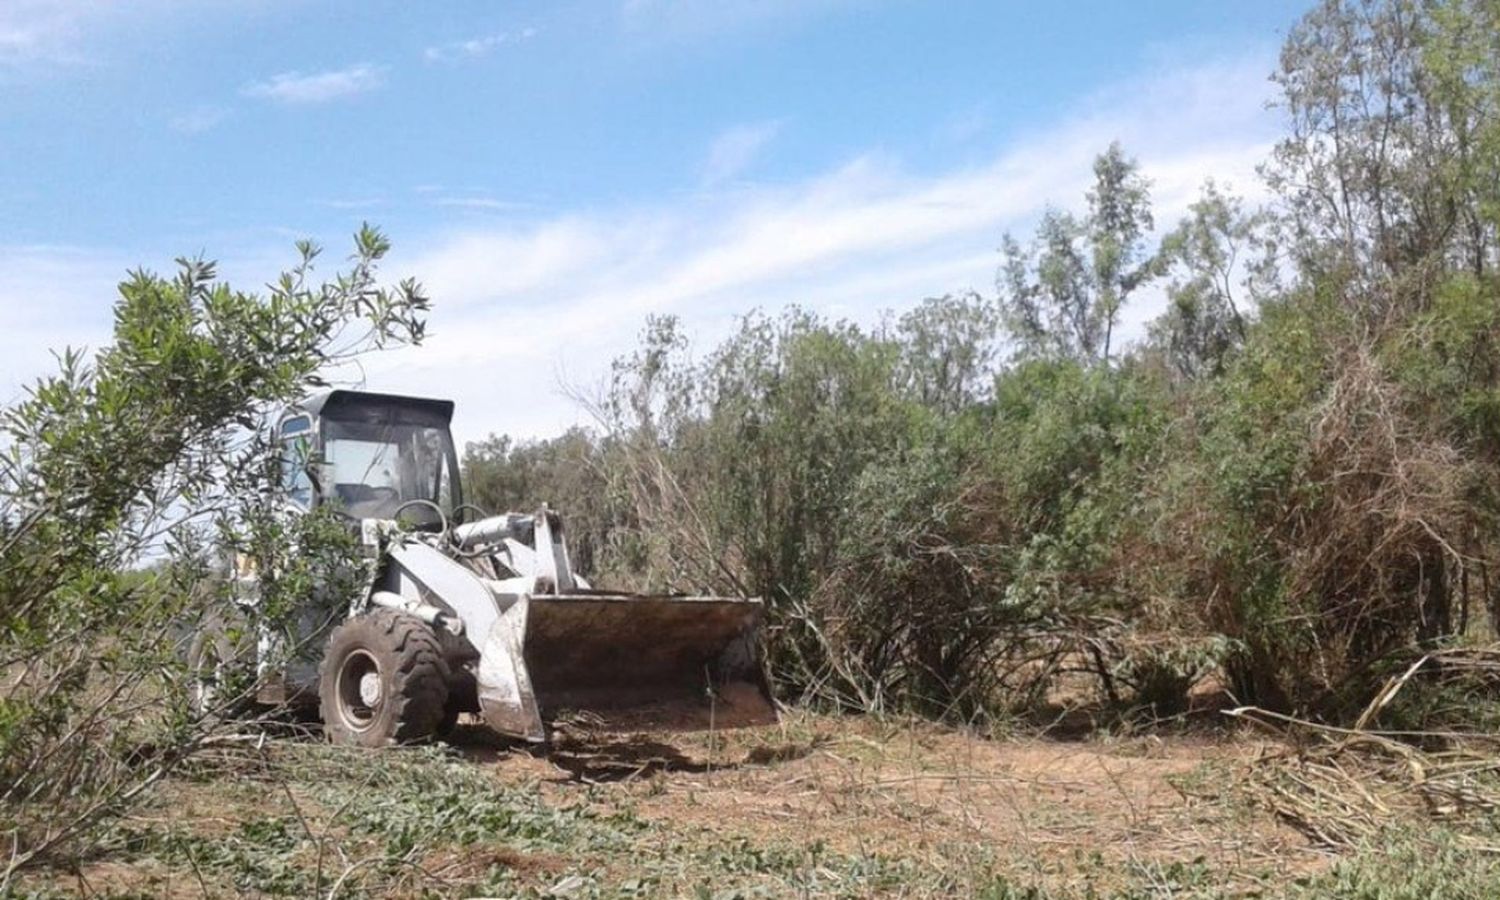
623	662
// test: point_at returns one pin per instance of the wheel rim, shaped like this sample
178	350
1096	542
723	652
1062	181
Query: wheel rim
359	689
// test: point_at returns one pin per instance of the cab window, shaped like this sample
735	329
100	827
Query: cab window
295	440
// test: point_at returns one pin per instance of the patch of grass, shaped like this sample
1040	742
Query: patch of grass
1411	864
427	821
303	819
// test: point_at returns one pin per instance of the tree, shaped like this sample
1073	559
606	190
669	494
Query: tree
154	444
1462	56
1389	171
949	349
1206	259
566	472
1063	295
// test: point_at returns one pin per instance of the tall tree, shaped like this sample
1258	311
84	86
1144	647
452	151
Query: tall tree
1207	259
1389	169
1063	295
1462	56
949	347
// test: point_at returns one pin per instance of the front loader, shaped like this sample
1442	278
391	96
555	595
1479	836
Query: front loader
483	614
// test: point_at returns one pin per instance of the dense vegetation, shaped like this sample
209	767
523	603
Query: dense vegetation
151	452
1290	483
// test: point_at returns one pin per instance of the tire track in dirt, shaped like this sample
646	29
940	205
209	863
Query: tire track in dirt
1038	807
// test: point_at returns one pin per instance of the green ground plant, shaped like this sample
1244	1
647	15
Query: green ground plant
988	507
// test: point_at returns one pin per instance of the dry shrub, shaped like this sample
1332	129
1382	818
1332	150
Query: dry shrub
1321	528
1372	548
916	614
1347	787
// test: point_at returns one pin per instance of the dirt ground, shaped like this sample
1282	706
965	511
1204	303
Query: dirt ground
1041	806
816	806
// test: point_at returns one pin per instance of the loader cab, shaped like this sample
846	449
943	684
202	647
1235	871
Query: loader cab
369	455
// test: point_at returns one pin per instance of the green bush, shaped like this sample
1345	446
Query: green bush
134	454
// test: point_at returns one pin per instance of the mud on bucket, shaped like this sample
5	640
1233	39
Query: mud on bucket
627	663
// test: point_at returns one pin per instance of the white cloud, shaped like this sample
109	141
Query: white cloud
686	20
356	203
735	149
318	87
516	306
40	31
37	35
199	120
966	125
481	202
474	48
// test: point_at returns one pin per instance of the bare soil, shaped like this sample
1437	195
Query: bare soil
1081	816
859	786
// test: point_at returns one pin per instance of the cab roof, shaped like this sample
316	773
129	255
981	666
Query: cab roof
369	407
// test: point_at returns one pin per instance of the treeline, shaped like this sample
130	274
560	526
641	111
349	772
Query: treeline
1291	483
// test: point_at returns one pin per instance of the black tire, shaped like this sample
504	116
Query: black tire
382	681
450	719
463	697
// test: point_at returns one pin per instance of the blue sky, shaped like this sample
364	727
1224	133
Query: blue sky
554	172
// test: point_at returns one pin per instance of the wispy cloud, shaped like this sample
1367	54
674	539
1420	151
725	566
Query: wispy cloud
521	303
37	35
560	296
356	203
964	126
490	204
735	149
318	87
474	48
199	120
40	31
678	20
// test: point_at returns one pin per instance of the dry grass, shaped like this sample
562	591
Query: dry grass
818	806
1345	787
923	792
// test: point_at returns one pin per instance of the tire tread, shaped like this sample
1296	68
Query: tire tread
418	675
